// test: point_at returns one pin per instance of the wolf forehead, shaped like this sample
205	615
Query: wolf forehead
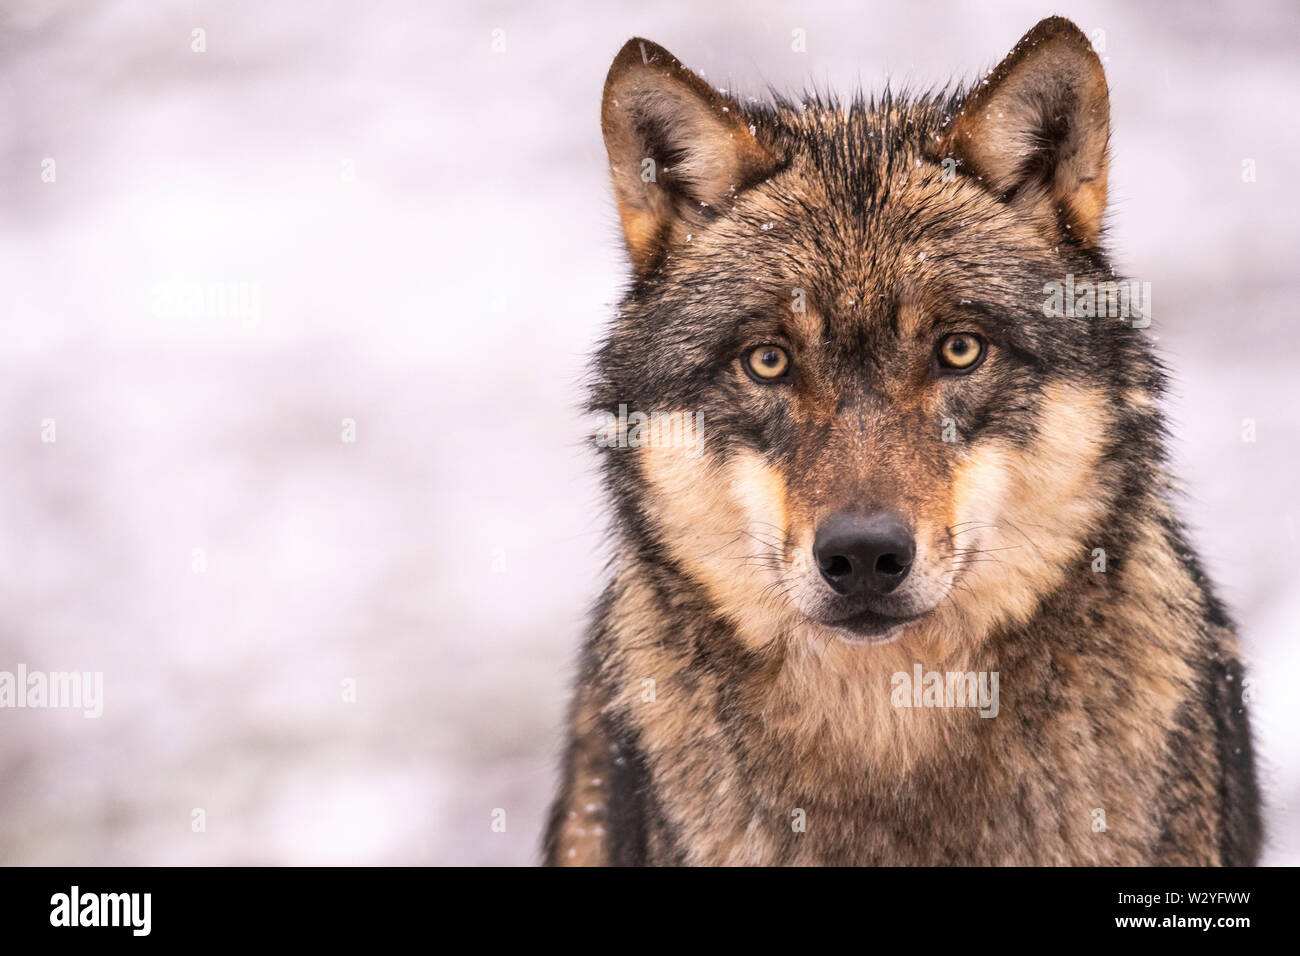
858	226
855	203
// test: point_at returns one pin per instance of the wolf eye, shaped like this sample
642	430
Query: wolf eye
767	363
960	351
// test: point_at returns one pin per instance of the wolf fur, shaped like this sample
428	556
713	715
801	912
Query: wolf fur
722	715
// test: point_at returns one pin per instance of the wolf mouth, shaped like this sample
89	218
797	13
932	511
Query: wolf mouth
871	627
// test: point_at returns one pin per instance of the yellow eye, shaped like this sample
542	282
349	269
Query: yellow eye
767	362
960	351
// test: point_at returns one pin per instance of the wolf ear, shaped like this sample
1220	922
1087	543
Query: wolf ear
1036	128
675	145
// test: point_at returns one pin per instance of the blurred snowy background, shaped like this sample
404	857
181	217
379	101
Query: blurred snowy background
416	234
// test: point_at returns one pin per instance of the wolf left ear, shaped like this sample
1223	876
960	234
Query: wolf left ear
675	145
1036	129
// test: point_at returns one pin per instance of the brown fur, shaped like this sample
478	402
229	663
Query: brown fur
716	704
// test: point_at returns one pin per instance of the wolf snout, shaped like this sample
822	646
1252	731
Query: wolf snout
864	553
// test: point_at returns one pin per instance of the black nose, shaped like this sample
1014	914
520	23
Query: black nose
869	553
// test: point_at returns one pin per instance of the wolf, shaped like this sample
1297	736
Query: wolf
906	469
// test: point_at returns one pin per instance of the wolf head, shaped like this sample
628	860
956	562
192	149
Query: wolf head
848	302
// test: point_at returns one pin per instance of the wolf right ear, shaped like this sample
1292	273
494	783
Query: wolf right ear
675	145
1036	129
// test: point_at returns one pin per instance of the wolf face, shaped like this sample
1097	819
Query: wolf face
896	438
